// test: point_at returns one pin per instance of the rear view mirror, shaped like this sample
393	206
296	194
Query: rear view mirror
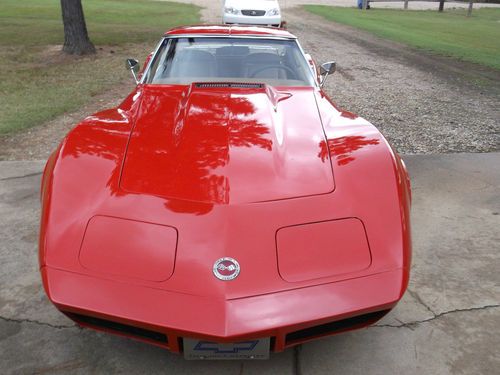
326	69
133	66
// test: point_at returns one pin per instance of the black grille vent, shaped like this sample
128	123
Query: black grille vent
232	85
253	13
120	328
330	328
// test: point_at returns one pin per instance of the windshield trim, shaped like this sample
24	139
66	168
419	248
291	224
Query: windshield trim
150	63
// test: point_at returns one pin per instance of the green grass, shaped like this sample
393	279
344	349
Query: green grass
475	39
39	83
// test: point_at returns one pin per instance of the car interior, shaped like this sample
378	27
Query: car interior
212	62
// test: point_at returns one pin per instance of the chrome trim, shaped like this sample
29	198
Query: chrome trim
146	71
135	77
315	79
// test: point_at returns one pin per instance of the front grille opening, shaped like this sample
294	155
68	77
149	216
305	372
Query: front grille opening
120	328
272	344
219	85
333	327
253	12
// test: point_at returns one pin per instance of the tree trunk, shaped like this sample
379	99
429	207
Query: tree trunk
441	5
76	39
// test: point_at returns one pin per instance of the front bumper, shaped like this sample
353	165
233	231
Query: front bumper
251	20
289	318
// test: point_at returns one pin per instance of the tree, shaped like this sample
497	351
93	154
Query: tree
441	5
76	39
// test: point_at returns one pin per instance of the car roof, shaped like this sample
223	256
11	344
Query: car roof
230	30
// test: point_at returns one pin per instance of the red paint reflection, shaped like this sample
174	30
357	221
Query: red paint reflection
182	143
187	207
342	149
105	136
349	115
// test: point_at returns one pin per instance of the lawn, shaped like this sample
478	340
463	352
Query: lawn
39	83
475	39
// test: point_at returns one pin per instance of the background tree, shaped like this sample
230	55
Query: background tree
76	39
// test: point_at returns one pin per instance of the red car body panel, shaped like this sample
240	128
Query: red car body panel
139	201
232	30
205	135
150	248
305	251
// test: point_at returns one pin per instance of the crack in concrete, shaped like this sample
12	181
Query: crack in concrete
296	356
21	321
410	325
416	296
19	177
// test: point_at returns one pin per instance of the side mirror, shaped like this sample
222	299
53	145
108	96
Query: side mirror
133	66
326	69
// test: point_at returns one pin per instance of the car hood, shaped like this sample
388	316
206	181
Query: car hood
226	145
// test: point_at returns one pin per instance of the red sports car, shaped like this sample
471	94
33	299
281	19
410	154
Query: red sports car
227	208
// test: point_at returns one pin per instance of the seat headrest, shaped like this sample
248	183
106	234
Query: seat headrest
262	58
195	54
233	51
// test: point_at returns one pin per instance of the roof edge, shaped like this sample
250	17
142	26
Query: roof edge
230	30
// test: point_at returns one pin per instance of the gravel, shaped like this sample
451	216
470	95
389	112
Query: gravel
422	104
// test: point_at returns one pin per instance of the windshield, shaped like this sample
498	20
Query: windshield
224	59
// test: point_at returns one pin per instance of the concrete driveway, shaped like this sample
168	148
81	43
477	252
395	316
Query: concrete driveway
447	323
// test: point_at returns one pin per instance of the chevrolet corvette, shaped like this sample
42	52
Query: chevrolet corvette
227	208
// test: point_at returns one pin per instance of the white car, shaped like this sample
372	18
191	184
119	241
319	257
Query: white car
252	12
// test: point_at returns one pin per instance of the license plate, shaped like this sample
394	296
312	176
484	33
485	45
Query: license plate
250	349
